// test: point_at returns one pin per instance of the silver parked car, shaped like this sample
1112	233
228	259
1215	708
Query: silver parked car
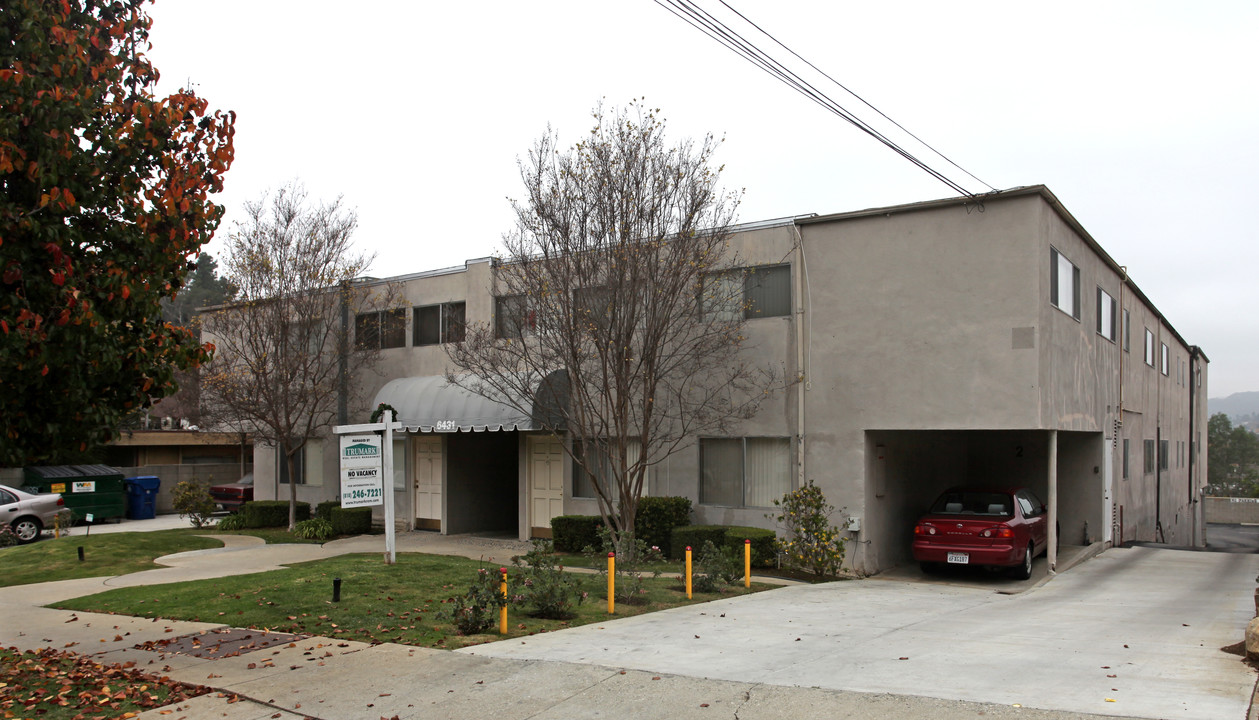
29	514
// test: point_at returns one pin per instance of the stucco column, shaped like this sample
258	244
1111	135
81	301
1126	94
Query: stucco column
1051	553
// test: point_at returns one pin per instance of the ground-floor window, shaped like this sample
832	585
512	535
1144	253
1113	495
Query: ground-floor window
307	465
598	467
744	472
1125	458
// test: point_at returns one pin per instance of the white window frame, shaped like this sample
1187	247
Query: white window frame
728	295
446	329
748	493
1106	315
1064	278
1149	347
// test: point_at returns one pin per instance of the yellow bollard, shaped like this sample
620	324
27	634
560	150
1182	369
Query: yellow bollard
747	563
502	612
611	583
688	572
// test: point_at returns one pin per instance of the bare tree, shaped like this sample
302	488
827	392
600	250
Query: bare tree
282	359
615	299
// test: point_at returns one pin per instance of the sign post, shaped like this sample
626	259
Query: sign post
367	471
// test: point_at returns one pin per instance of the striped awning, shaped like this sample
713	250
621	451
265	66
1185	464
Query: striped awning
431	404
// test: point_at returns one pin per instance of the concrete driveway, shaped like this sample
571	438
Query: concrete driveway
1134	632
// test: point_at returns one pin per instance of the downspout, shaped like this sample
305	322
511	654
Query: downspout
1193	513
1158	481
343	359
1125	342
802	356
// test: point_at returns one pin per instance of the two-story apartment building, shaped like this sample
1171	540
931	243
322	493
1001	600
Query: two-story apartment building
963	341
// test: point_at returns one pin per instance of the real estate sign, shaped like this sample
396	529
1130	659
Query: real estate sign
362	479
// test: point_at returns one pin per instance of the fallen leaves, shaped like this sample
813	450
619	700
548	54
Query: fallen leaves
35	682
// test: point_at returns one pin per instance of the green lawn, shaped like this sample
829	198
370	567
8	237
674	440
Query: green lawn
379	603
108	554
103	554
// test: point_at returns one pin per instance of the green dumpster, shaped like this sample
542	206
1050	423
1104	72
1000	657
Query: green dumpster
87	489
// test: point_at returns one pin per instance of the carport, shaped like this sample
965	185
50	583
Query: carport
907	469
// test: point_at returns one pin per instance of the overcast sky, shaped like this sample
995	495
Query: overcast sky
1140	116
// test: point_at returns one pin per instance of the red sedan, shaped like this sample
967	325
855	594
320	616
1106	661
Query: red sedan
982	526
232	495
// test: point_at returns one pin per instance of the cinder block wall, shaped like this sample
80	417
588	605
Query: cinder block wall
171	475
1232	510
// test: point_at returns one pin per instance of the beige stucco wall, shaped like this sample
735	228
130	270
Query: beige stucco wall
931	352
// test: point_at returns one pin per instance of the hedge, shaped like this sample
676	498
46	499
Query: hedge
272	513
694	536
763	553
573	533
324	509
656	518
351	521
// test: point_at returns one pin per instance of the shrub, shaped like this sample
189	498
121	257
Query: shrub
192	500
324	509
543	586
764	552
657	516
631	555
235	521
315	528
351	521
474	611
8	538
718	565
810	543
574	533
695	536
272	513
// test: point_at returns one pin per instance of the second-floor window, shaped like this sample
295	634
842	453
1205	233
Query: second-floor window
1064	284
753	292
513	318
438	324
1149	348
380	330
1106	310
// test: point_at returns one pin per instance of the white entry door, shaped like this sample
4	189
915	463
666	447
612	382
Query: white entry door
428	481
546	482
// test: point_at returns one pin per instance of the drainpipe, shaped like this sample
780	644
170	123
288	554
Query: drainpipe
1193	415
802	375
343	359
1051	553
1158	479
1126	339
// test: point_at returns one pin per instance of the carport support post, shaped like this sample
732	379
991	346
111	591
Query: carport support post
386	484
1051	553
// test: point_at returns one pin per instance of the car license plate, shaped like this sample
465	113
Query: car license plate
959	558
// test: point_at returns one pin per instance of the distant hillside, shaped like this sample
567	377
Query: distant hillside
1236	405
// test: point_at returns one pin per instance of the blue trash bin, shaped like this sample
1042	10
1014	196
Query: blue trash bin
142	496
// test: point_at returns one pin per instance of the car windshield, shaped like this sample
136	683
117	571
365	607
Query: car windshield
972	502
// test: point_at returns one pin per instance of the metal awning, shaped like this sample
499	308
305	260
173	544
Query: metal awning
430	404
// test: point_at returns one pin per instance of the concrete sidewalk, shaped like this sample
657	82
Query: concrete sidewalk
651	666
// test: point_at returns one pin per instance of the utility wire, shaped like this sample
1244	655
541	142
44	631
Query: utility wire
706	23
850	92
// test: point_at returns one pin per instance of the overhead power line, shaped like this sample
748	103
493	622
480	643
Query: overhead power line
714	28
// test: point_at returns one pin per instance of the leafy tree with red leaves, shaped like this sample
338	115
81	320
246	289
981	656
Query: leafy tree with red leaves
104	200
